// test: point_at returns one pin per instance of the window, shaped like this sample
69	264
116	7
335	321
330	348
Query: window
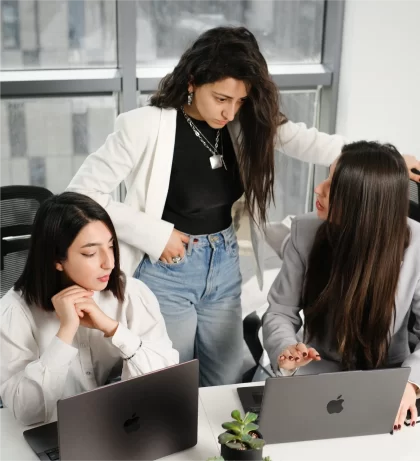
44	141
55	34
288	31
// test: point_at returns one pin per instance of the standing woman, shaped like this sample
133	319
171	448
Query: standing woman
208	136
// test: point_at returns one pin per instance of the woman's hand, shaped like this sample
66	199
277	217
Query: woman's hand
408	402
91	316
412	163
64	305
297	355
175	247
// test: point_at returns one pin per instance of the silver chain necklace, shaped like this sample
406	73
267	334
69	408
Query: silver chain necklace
216	159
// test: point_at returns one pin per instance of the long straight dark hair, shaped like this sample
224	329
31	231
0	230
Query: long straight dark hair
353	269
57	223
233	52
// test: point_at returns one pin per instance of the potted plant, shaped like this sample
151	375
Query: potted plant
241	441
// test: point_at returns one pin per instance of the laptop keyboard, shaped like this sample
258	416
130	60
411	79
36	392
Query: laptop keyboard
53	454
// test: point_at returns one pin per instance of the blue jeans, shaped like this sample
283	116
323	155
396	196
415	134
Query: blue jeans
200	300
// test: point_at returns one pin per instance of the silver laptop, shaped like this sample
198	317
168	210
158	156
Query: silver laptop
312	407
142	418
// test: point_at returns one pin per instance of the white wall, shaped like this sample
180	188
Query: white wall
379	93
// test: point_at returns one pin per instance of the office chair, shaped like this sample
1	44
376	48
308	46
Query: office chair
18	206
413	213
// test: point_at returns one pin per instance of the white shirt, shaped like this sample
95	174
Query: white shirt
38	369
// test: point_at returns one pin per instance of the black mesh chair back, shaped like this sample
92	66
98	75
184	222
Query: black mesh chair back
414	212
18	206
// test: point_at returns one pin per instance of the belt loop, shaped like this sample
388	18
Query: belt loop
190	245
226	239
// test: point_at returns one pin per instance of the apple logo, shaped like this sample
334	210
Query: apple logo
335	406
132	424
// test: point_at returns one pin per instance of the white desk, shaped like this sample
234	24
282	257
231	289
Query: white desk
219	402
216	404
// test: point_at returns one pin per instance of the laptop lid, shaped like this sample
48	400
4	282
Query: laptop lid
343	404
143	418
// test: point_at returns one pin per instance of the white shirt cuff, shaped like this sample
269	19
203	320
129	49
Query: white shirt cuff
58	354
282	372
418	388
126	341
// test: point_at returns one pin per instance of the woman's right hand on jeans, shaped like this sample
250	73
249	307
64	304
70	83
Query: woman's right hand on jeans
297	355
175	247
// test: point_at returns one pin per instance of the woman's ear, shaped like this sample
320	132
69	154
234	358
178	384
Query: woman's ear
191	87
59	267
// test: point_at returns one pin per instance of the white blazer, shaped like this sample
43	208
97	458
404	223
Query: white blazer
140	153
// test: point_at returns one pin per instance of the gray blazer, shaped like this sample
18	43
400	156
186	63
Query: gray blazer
282	321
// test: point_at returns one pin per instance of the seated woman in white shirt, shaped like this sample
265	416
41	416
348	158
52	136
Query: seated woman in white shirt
354	270
73	316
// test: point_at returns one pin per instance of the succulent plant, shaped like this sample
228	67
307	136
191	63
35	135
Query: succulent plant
241	433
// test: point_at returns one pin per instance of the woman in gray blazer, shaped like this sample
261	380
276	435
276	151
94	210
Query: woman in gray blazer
353	269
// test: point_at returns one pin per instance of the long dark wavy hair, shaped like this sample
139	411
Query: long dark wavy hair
353	269
233	52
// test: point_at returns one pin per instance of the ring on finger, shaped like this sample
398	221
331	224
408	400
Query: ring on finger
176	259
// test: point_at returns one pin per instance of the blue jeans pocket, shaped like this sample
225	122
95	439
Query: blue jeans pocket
172	265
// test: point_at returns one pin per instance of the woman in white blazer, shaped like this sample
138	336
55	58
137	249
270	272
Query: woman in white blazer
72	317
209	135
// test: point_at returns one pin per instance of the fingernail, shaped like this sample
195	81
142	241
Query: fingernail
395	427
317	355
305	354
399	426
290	357
297	359
413	423
282	357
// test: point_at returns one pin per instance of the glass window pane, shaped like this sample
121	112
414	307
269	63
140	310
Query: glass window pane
288	31
56	34
44	141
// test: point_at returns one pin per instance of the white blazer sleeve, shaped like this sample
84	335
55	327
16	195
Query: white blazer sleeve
104	170
143	342
31	384
308	144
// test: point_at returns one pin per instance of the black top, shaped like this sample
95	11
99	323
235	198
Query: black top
199	198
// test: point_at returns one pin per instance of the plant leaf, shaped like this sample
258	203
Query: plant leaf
236	415
249	428
246	438
267	458
256	444
249	418
235	446
233	426
226	437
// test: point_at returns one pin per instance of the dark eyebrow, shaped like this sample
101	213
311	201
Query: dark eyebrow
95	244
226	96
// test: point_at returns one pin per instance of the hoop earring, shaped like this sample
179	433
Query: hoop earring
190	98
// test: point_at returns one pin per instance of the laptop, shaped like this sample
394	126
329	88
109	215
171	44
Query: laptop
142	418
329	405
